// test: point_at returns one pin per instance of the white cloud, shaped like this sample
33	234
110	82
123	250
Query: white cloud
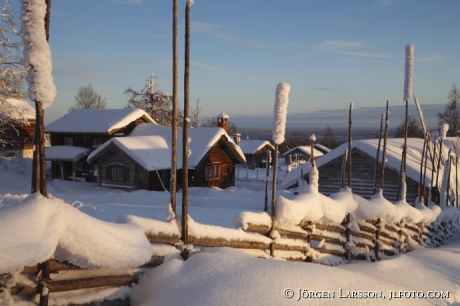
203	27
347	47
434	57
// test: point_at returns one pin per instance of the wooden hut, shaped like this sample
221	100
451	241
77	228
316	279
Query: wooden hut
18	125
81	131
143	160
301	154
363	169
255	151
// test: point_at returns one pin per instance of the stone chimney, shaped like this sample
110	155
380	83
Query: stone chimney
222	121
237	138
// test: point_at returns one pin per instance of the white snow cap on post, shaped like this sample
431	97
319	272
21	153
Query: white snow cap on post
409	71
37	54
443	128
190	2
280	112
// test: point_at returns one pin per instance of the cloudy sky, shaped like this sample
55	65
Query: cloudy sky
331	52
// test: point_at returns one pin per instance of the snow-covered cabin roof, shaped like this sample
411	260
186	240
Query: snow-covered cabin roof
65	153
18	109
304	149
150	146
321	148
250	146
369	146
92	120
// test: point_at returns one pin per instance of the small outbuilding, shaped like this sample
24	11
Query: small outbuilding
301	154
255	151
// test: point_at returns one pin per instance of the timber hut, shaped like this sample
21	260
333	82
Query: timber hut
80	132
143	159
363	165
18	125
301	154
255	151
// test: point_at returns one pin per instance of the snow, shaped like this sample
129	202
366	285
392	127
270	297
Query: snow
65	153
36	54
280	112
304	149
91	120
443	128
409	72
19	109
50	227
322	148
251	146
71	228
150	146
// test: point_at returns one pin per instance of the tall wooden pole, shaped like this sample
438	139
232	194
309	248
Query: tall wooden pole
402	172
384	152
378	154
275	168
173	182
421	187
456	181
269	156
185	127
349	145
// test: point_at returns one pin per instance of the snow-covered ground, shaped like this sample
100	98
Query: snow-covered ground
226	276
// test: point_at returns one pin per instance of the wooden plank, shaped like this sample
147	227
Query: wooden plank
55	267
326	227
219	242
363	235
326	239
163	238
332	252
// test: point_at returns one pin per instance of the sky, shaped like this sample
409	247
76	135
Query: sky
331	52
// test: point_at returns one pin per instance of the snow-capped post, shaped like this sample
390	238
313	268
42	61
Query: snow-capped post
420	184
378	154
267	178
185	146
173	181
279	126
409	73
349	144
444	190
37	62
385	136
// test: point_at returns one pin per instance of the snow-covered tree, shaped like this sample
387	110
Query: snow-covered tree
451	113
88	97
156	103
197	120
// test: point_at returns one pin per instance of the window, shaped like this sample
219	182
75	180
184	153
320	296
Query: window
117	172
68	141
97	142
212	172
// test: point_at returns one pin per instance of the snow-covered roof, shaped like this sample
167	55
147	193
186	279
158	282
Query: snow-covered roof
91	120
65	153
18	109
150	146
322	148
369	146
304	149
250	146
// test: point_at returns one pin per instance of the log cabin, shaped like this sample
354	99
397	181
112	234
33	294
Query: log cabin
18	125
301	154
255	151
143	159
364	154
80	132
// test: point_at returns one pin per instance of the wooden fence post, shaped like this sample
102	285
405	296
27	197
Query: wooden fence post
377	241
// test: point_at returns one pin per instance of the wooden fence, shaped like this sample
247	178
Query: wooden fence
308	242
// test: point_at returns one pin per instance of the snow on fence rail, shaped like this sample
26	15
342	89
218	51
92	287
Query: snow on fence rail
307	241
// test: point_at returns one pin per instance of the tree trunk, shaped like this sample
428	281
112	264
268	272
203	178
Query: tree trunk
275	168
173	183
385	136
185	128
349	145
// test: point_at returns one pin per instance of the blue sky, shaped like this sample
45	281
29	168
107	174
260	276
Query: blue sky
331	52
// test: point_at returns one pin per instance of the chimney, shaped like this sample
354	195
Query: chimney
237	138
222	121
